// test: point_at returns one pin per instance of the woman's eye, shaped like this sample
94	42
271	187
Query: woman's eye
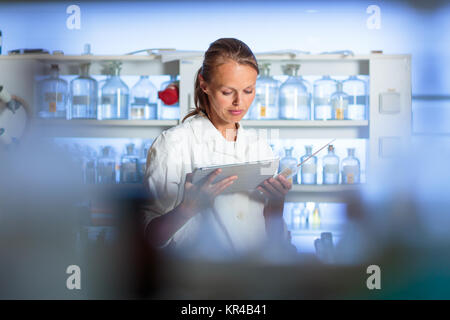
226	93
249	92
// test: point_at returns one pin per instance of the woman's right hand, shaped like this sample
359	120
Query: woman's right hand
201	195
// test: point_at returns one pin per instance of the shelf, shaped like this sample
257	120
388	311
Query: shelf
298	129
146	129
322	193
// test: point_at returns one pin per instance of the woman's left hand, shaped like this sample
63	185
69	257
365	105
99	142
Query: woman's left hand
275	189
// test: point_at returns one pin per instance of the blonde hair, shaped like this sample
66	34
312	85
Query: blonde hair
217	54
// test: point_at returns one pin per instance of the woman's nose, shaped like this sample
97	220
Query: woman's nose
237	100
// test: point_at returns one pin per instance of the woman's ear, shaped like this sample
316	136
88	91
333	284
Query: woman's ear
203	84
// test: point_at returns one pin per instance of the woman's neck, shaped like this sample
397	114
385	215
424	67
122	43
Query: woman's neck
227	129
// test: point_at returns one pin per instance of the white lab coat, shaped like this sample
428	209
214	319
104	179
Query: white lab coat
237	224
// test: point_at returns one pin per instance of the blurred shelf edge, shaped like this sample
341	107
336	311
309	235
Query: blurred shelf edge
146	129
299	193
305	123
288	129
323	193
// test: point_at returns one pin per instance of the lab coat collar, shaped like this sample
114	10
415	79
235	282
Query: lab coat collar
205	132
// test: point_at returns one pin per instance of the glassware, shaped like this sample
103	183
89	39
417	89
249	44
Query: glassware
84	95
330	164
170	112
296	217
143	163
144	100
350	168
309	168
339	101
295	99
53	96
323	89
129	166
289	162
307	214
315	219
106	167
90	166
356	89
114	103
265	104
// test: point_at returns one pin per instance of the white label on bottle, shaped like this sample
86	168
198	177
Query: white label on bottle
84	100
350	170
331	168
323	112
309	168
53	96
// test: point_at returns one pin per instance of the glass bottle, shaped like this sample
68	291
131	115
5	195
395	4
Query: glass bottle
295	100
306	215
106	167
143	100
114	104
53	96
169	112
129	166
330	164
315	218
323	89
84	95
356	89
289	162
89	166
309	168
296	217
350	168
339	101
143	163
265	104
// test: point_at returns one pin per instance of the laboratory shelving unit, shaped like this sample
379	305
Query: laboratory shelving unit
387	128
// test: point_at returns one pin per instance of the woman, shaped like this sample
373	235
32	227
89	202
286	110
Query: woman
211	135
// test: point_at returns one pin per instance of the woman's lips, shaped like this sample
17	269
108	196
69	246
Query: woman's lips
236	112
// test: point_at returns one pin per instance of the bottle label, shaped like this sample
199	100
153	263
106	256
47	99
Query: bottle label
112	98
357	100
331	169
350	173
83	100
53	97
141	101
52	106
339	114
322	112
309	168
262	111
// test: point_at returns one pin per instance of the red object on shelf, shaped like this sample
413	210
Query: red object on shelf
169	95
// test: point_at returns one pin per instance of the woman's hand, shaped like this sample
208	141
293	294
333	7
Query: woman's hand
275	189
201	195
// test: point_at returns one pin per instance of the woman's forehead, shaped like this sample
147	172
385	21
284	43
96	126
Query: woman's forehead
232	73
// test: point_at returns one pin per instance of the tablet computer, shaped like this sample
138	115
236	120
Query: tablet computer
250	174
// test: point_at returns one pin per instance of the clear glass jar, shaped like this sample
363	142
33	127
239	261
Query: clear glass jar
316	217
84	95
115	94
170	112
309	168
143	163
323	89
53	96
265	104
106	167
350	168
90	166
339	101
295	99
129	166
288	161
356	89
143	100
330	163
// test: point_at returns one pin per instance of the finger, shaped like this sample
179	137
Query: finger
212	176
285	182
224	181
264	192
278	186
222	188
189	177
272	190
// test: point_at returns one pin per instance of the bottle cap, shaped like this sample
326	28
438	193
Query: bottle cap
169	95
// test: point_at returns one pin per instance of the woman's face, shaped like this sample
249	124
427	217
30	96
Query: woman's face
231	91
